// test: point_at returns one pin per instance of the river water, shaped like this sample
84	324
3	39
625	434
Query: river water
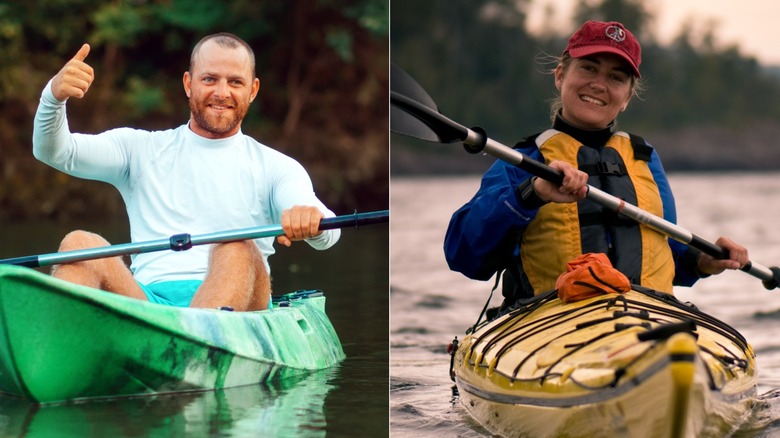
430	304
343	401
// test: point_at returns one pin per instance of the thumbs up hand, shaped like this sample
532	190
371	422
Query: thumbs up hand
74	79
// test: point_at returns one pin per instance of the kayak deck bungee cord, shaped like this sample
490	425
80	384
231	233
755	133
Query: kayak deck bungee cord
549	368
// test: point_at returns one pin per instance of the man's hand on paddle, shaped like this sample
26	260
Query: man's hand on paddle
75	77
738	257
298	223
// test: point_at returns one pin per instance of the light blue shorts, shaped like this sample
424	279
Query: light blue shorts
172	293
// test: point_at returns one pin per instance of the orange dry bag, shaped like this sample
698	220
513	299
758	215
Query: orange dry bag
590	275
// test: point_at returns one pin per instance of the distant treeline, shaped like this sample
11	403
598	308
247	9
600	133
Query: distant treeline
323	68
704	106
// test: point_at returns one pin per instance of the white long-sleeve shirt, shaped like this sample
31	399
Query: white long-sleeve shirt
175	181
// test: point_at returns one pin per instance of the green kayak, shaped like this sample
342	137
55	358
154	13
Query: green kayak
60	341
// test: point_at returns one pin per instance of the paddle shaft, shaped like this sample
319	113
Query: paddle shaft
477	141
181	242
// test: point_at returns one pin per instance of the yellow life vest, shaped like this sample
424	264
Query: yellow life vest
556	235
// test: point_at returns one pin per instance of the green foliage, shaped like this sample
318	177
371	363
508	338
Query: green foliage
371	15
143	98
341	41
195	15
119	23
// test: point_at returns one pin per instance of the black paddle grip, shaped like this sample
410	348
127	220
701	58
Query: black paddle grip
775	281
709	248
355	220
542	171
26	261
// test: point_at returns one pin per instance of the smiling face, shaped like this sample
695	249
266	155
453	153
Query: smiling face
220	86
594	89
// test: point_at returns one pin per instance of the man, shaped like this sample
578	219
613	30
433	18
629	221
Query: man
201	177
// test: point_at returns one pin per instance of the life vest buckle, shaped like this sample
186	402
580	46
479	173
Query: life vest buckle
605	168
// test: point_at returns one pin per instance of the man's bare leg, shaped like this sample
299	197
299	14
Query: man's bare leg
109	274
236	277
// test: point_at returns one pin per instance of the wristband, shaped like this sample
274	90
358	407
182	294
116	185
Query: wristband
527	196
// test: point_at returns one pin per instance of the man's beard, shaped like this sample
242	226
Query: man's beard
215	124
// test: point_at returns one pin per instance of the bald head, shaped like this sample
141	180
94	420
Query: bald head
225	40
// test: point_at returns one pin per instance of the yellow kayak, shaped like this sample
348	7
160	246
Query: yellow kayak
638	364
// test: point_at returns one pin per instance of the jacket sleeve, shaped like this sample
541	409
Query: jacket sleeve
482	235
685	257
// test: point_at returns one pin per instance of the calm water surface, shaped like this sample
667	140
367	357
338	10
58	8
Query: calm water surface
430	304
342	401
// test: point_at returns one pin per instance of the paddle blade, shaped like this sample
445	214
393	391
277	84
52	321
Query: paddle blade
401	122
402	83
414	113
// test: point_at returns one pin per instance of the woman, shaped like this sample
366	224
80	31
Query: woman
530	227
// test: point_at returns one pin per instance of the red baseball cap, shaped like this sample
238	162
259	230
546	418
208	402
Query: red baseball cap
611	37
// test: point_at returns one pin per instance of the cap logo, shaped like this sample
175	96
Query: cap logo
616	33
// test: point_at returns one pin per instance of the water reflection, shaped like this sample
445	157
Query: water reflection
290	407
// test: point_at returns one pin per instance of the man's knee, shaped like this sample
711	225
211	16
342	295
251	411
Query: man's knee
238	257
245	249
80	239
